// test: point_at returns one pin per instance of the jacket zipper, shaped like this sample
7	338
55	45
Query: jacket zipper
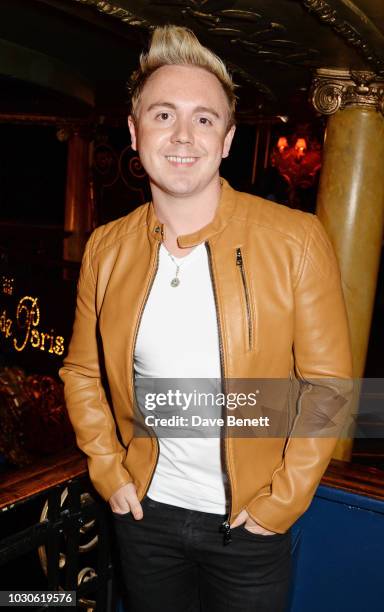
239	263
133	367
225	527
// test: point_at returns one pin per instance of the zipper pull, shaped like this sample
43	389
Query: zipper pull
225	528
239	258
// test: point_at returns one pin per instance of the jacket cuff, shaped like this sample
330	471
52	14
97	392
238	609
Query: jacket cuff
107	474
265	513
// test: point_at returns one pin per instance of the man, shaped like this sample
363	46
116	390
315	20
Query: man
203	283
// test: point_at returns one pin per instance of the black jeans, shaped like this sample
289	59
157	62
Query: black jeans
175	560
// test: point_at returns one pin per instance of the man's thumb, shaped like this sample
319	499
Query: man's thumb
136	508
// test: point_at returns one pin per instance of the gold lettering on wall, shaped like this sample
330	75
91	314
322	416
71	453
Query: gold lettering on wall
6	284
24	329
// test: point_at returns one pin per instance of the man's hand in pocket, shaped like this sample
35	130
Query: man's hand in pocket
125	500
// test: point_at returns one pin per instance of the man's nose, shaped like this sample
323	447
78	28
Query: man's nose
183	132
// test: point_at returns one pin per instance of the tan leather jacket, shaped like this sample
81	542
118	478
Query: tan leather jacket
280	313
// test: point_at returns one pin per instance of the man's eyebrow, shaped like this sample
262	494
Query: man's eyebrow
207	109
156	104
198	109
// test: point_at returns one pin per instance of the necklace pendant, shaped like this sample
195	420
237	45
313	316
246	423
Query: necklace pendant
175	282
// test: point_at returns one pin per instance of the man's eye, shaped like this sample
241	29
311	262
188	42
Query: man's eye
205	121
163	116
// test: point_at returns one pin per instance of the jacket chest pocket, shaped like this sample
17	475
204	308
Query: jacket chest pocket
246	296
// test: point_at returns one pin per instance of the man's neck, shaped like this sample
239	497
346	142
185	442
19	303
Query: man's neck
185	215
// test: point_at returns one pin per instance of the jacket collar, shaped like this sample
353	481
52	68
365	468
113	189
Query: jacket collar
224	212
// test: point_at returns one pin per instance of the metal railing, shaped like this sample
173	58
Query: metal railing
74	544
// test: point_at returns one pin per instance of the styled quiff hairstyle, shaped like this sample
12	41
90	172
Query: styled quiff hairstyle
173	45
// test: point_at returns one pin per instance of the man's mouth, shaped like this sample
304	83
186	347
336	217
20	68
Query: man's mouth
175	159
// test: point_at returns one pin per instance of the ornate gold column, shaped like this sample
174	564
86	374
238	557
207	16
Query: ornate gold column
351	194
78	204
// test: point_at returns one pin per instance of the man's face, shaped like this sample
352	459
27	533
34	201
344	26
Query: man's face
180	130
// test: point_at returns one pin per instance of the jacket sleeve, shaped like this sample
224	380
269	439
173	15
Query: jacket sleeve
323	365
85	397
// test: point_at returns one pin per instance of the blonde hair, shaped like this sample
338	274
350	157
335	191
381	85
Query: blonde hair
173	45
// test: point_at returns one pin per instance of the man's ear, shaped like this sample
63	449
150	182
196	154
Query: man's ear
132	131
228	141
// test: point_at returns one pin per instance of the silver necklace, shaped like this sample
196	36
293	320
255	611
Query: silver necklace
175	282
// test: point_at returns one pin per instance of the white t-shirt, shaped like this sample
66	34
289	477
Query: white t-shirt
178	339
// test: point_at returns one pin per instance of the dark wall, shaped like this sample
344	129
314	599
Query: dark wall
32	175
